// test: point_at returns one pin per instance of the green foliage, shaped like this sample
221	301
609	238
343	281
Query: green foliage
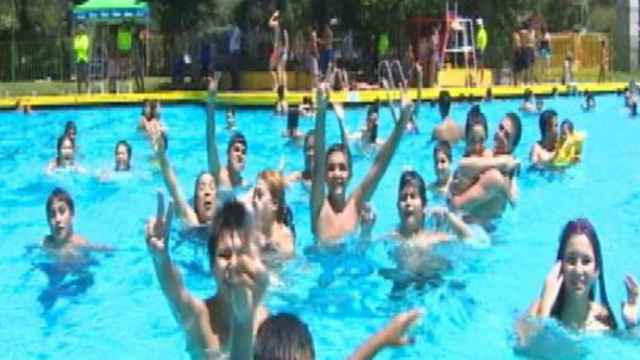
27	17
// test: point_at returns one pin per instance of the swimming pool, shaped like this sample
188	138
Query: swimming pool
114	305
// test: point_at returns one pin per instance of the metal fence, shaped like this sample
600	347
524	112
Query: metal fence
33	60
52	59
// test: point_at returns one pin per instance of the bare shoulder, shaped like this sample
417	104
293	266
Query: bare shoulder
79	240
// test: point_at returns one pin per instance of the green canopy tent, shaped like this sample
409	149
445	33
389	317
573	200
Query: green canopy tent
99	16
112	11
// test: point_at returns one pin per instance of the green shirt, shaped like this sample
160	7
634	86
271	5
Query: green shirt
81	47
481	39
383	44
124	39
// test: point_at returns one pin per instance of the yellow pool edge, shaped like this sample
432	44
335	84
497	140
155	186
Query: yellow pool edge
265	98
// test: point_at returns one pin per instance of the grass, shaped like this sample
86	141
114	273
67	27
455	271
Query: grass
43	87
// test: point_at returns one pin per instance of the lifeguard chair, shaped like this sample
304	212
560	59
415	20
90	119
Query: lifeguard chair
459	56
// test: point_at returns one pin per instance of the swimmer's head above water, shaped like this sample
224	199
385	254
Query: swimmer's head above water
581	266
65	152
204	197
547	124
293	121
283	336
237	152
70	130
372	124
507	136
123	156
475	131
232	235
60	211
566	128
412	200
309	150
268	200
442	158
444	103
338	169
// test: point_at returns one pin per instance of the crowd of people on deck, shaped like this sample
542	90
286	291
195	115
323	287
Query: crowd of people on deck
250	234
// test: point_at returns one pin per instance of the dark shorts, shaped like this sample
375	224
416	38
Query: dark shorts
83	70
517	60
325	59
528	57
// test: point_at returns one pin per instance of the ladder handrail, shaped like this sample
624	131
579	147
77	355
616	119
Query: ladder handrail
403	78
384	64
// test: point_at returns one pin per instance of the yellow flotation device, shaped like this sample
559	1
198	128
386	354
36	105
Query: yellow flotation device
570	150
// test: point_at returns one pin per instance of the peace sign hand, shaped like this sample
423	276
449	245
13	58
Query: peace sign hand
158	229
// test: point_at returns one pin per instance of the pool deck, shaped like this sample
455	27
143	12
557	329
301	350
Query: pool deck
267	98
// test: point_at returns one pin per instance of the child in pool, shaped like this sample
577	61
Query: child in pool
230	175
442	159
334	215
476	136
63	241
237	270
568	294
65	157
414	240
569	149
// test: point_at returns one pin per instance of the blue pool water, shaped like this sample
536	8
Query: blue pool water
113	305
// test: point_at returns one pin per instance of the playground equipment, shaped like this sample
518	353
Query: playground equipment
110	26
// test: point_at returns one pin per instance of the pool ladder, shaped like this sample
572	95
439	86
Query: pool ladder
389	66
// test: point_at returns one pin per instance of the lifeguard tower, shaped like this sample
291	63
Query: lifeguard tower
459	60
456	48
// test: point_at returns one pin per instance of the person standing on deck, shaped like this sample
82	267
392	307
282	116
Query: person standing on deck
604	61
81	46
481	45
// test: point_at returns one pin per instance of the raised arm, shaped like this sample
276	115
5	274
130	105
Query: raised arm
285	38
248	282
187	214
385	84
364	191
317	182
183	305
344	133
416	109
212	149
